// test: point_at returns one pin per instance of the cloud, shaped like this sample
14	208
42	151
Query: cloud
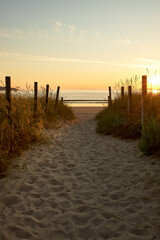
147	60
58	26
12	34
25	57
67	32
5	35
63	31
152	63
57	31
71	28
81	36
70	31
124	41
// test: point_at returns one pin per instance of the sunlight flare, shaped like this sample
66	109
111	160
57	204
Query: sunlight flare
154	81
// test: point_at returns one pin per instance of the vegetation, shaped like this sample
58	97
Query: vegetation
22	126
115	119
150	141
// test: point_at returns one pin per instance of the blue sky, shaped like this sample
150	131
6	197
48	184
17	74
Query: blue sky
80	44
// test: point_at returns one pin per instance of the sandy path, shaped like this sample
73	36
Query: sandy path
81	186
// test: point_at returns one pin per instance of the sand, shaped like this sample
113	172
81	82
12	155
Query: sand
81	185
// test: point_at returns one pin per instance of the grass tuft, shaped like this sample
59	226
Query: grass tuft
150	141
116	121
23	127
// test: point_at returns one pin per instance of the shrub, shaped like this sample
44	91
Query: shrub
150	141
115	120
109	122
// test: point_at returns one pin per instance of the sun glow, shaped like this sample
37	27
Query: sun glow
155	91
154	82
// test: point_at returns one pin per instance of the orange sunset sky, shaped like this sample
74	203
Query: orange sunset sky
78	44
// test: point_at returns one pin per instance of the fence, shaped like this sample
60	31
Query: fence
85	101
8	89
90	100
143	99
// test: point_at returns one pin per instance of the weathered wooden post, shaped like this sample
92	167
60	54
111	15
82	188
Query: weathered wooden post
110	96
57	96
8	95
110	91
143	100
109	101
8	91
61	100
47	92
129	100
35	97
122	93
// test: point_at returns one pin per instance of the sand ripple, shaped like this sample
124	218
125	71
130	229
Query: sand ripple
81	186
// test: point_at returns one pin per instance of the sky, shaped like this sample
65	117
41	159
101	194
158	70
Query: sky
78	44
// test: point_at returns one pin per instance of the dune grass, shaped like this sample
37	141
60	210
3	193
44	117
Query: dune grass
115	120
23	127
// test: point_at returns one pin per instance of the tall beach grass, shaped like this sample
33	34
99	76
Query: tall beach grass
115	120
23	127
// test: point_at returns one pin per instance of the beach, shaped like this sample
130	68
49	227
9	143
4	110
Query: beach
81	185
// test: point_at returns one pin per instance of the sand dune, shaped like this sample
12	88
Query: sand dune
81	186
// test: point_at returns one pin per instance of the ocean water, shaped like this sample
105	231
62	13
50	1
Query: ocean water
75	95
85	95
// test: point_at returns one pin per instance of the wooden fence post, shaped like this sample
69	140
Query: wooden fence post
109	101
47	92
129	100
110	96
57	96
143	100
122	93
8	91
110	91
61	100
35	97
8	95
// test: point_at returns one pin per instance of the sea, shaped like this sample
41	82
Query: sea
76	95
85	95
